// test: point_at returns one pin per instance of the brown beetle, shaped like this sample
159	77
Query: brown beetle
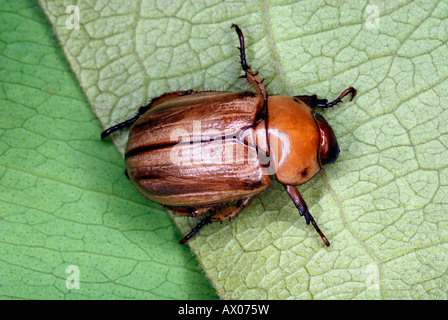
195	151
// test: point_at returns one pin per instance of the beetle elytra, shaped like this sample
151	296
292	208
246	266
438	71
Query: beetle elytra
195	152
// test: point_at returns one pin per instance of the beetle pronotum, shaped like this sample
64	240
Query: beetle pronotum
195	152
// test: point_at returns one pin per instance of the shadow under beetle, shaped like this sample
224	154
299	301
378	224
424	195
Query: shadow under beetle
194	152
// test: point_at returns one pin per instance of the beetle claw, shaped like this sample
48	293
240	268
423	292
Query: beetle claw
339	99
353	93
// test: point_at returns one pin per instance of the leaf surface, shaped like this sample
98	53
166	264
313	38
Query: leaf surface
383	204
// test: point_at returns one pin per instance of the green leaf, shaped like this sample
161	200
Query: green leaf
64	198
383	204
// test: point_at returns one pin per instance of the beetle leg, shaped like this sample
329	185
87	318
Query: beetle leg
300	204
143	109
230	211
189	211
314	102
121	125
251	76
339	99
195	229
220	215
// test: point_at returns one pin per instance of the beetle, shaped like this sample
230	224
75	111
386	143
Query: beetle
199	151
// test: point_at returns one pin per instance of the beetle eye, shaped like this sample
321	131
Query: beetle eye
328	148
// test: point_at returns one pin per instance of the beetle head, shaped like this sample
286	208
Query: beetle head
328	148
